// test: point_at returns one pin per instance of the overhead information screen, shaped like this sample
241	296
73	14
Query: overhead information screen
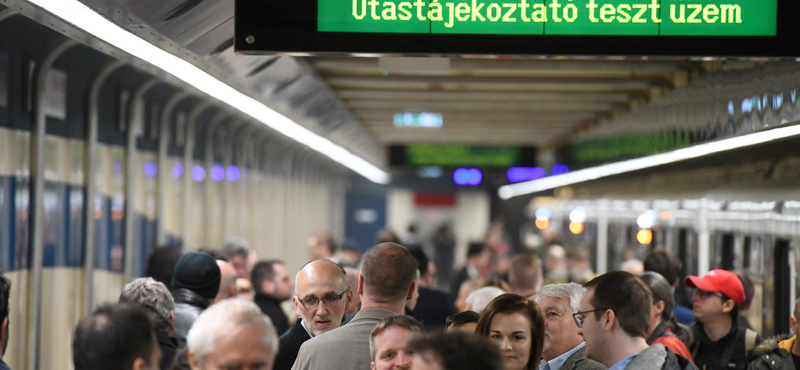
552	17
673	28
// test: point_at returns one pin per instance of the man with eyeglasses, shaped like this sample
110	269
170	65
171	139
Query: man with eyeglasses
719	342
614	318
386	283
322	295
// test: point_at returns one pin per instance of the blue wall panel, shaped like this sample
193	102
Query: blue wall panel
365	201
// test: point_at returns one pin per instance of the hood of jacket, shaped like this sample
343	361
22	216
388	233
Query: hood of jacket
783	341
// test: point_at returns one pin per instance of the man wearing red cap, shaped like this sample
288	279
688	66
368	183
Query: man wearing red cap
719	343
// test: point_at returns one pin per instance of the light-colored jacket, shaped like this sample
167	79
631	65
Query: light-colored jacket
344	348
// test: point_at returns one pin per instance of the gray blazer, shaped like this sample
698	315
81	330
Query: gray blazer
578	361
345	348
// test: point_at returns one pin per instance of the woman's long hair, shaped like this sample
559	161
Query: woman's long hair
512	303
662	291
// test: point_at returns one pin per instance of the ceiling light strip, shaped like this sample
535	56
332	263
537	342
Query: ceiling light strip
85	18
695	151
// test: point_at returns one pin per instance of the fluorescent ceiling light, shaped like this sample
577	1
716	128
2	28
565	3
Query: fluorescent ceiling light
83	17
695	151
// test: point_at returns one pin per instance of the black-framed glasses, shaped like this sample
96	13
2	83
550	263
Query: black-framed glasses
578	316
312	301
705	294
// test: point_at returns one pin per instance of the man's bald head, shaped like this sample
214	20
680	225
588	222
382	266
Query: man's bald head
388	271
322	269
322	295
227	283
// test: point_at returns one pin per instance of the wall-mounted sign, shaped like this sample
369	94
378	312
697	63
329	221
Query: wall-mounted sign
418	119
552	17
519	27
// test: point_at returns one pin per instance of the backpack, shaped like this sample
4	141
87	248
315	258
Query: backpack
677	362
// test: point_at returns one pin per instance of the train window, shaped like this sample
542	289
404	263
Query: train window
727	251
783	301
753	256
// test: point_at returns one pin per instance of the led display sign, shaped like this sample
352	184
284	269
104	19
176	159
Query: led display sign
552	17
741	28
460	155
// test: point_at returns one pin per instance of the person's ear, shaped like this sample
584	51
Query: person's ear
793	323
610	317
728	306
411	290
193	363
3	335
360	284
297	310
139	364
372	365
660	307
349	296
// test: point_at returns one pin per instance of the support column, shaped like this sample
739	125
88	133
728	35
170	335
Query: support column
135	107
188	166
217	120
39	128
163	171
89	179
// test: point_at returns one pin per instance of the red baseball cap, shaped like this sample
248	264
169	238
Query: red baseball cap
722	281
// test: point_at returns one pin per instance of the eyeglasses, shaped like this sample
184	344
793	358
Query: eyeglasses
312	301
578	316
705	294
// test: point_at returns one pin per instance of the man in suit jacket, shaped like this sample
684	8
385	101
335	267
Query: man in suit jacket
564	348
322	295
386	283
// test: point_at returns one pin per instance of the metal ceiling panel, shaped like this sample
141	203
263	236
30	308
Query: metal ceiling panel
198	21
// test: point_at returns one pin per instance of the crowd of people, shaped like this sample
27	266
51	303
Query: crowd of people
222	309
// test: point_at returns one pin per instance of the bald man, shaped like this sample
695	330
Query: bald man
322	295
227	283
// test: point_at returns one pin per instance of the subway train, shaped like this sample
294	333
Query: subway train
736	210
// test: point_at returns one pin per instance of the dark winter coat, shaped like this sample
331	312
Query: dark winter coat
774	354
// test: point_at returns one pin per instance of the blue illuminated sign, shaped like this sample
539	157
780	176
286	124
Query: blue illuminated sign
418	119
559	169
467	176
233	173
518	174
198	173
217	173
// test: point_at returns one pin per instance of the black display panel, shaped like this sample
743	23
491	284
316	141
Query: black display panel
627	28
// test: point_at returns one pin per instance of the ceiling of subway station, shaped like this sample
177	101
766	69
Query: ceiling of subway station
531	102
